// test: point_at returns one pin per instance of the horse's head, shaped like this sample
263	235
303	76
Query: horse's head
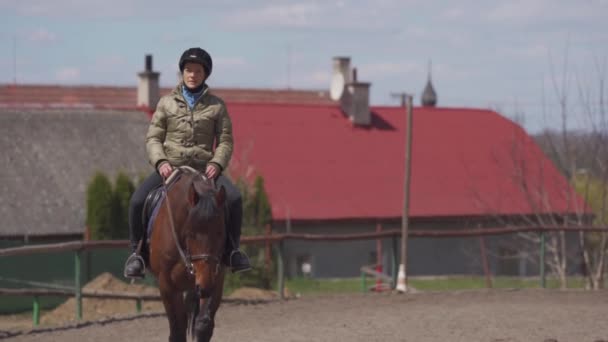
203	230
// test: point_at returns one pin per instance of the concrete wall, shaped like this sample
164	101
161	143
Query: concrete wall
427	256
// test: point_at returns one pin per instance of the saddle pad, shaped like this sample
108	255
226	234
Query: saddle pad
157	204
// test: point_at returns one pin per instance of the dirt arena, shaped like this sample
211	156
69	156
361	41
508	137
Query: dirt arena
493	316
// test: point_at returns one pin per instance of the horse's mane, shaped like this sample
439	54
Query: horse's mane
206	206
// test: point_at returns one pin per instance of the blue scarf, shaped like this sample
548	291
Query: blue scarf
190	96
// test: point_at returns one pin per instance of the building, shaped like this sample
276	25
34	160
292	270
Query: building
330	167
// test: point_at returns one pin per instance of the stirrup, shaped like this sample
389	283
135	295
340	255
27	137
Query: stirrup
230	261
136	257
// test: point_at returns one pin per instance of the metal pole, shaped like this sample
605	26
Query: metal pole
36	311
77	285
15	57
395	260
379	267
543	281
402	278
363	282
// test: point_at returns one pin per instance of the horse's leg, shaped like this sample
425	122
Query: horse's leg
176	311
205	322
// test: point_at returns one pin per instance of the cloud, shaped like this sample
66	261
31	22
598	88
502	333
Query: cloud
380	69
67	74
300	15
534	11
319	78
108	8
110	62
41	35
229	62
354	16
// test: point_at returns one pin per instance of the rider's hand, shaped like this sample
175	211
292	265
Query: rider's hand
212	171
165	169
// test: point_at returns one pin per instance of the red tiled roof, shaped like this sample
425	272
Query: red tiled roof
465	162
111	97
317	166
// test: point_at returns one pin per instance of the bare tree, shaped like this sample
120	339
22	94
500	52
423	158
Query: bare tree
582	157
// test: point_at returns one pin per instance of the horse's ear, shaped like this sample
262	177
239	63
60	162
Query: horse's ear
220	197
192	196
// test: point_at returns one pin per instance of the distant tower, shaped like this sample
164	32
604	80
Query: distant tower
429	97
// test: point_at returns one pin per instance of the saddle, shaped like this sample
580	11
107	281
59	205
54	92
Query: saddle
150	210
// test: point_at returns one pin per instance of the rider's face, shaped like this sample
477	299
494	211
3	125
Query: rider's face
194	75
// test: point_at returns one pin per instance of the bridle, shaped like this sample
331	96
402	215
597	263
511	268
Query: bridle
188	259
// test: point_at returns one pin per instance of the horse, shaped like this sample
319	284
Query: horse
185	256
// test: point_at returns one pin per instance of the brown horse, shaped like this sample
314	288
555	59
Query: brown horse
186	249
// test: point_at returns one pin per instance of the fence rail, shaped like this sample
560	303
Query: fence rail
274	238
277	239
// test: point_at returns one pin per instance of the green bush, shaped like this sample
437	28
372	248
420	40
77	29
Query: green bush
123	190
108	206
257	213
100	200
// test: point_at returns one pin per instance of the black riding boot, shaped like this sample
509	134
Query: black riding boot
135	266
236	259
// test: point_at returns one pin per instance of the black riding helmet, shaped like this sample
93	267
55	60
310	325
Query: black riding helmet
196	55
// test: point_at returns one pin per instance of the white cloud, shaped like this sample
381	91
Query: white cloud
229	62
67	74
380	69
110	61
285	15
453	13
115	8
320	78
534	11
41	35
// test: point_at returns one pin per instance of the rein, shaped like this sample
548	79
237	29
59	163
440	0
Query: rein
187	259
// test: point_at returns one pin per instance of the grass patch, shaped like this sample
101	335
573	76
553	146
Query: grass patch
350	285
466	283
311	286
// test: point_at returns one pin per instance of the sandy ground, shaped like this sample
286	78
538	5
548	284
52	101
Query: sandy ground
483	315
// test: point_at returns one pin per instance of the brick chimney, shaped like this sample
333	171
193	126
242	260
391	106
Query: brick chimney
148	91
355	100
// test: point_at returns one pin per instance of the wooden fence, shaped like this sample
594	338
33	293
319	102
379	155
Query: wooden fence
78	247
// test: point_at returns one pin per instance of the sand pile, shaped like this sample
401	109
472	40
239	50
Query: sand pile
93	308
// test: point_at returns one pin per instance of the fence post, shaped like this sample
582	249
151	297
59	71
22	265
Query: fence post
543	282
36	311
484	261
77	284
363	282
138	305
395	261
268	246
281	270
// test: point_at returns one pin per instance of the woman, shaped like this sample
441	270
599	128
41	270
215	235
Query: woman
184	128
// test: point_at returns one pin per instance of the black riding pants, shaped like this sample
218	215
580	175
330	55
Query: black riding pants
136	205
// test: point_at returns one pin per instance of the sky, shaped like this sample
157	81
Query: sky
521	58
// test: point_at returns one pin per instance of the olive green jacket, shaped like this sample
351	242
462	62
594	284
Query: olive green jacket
184	136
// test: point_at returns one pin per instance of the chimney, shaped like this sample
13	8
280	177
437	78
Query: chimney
148	92
354	99
342	67
355	103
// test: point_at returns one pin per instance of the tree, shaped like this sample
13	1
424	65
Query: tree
123	190
581	156
100	200
257	214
